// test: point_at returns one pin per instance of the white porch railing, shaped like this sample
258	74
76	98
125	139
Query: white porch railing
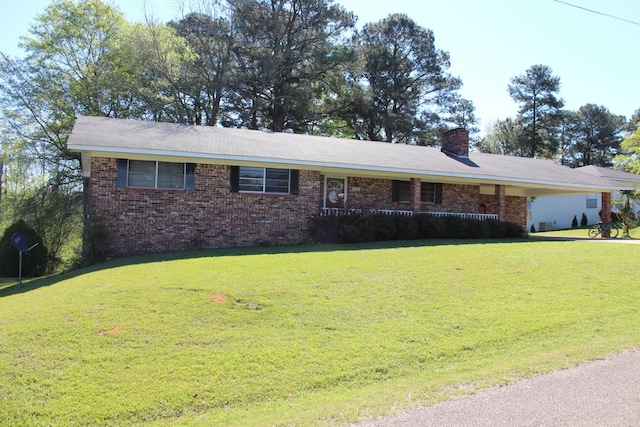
341	212
465	215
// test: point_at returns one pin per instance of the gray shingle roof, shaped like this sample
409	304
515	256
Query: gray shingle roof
612	174
107	137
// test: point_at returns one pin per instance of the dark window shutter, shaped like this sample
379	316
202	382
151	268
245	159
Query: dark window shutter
235	179
438	194
294	178
395	191
121	181
190	177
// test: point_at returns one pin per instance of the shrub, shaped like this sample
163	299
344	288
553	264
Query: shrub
425	226
574	222
431	227
324	229
479	229
384	227
34	262
406	227
513	231
457	228
355	228
584	221
532	229
362	227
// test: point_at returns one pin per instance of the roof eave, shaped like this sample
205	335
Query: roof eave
529	188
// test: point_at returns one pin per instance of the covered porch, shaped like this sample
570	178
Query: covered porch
341	212
398	195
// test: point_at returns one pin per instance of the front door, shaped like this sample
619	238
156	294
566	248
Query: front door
335	195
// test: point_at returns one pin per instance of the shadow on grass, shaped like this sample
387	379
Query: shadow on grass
32	284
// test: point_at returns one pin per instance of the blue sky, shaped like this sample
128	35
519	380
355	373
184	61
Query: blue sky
490	41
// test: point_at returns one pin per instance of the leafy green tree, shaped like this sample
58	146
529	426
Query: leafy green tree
595	137
69	70
81	58
461	114
566	135
626	215
204	81
629	157
539	111
55	213
402	82
159	60
631	125
504	137
73	46
64	74
284	51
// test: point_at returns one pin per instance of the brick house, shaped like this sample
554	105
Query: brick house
161	187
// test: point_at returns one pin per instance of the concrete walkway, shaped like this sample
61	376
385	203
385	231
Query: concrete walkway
585	238
598	393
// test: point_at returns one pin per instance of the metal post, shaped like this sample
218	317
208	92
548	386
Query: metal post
20	271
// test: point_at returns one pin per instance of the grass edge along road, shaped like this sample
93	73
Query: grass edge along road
308	335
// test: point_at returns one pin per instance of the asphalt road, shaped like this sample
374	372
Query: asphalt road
601	393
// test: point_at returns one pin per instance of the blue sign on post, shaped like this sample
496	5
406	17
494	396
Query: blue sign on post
20	241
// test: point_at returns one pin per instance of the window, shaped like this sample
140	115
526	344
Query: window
431	192
264	180
152	174
402	191
592	201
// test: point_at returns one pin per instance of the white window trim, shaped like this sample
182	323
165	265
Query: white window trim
264	182
155	181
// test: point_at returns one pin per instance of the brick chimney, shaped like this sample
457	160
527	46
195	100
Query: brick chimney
455	142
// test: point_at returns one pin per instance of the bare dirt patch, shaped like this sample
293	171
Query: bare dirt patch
217	298
114	331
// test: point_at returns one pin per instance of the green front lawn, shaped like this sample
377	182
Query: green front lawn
309	335
634	233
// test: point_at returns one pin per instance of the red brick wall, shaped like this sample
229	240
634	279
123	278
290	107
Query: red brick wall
368	193
150	220
516	208
517	211
457	198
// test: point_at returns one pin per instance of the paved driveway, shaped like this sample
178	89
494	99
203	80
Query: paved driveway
597	393
585	238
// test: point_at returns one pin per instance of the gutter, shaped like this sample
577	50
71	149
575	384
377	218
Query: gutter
328	167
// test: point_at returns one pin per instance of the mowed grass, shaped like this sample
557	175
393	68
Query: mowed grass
634	233
311	335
